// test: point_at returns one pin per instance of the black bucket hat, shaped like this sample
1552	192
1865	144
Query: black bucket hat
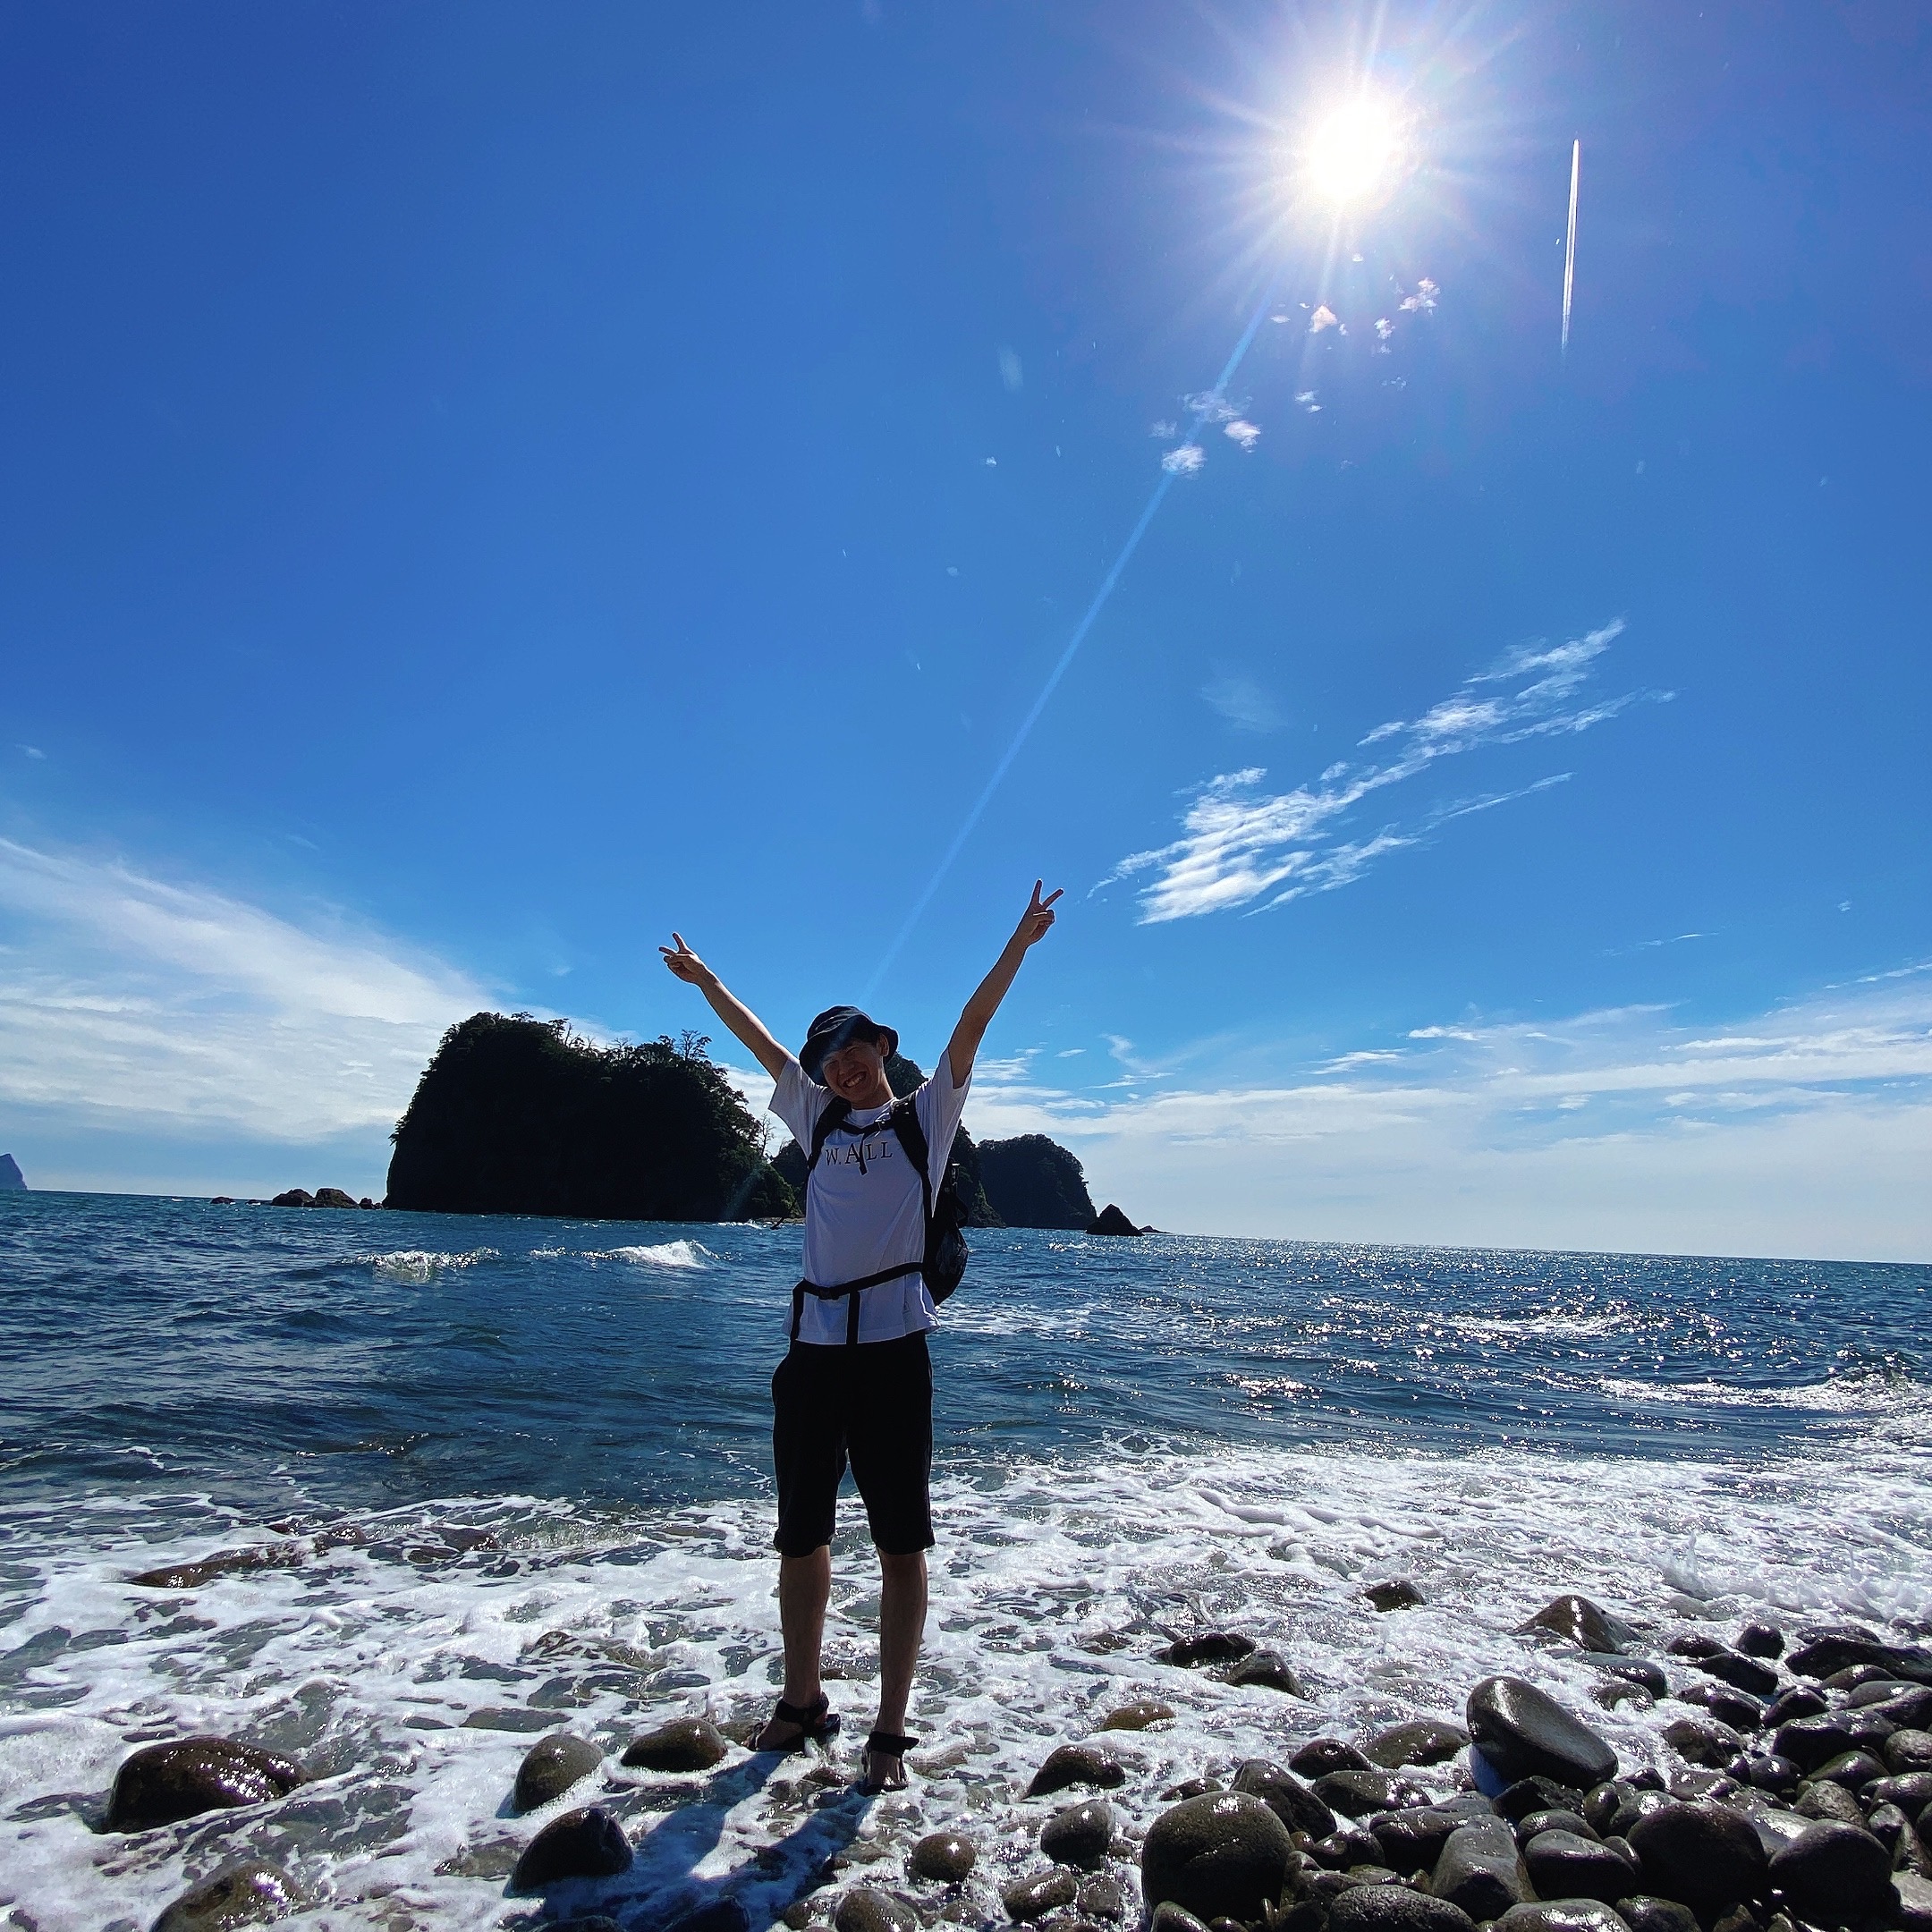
836	1027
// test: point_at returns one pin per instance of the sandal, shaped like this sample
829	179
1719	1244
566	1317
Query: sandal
816	1724
884	1744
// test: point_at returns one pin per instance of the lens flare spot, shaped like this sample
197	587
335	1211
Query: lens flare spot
1352	151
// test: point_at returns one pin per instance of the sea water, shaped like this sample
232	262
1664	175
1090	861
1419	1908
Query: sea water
500	1477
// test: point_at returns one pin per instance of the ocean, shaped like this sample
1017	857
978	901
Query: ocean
501	1477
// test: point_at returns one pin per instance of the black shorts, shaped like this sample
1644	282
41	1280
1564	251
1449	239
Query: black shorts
872	1403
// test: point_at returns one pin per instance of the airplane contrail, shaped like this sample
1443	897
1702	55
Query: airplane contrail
1569	262
1201	415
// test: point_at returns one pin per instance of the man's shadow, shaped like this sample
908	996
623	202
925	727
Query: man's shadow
661	1890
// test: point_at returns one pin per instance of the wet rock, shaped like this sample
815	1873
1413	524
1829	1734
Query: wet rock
1168	1917
1319	1757
1563	1865
1834	1874
1702	1741
1357	1794
1795	1701
1027	1899
1912	1793
1425	1741
1646	1913
163	1783
1220	1856
1077	1764
1829	1803
1908	1751
1264	1670
1286	1796
588	1843
1563	1915
1480	1870
1612	1692
1137	1717
1727	1706
1853	1769
1739	1918
1601	1803
1748	1674
1190	1788
1766	1771
715	1915
198	1575
684	1744
1078	1835
1823	1653
1908	1710
1531	1794
1411	1841
1914	1910
1761	1640
1578	1621
1893	1830
944	1855
1638	1671
1539	1822
1701	1854
1389	1907
1523	1732
1102	1898
242	1895
1350	1845
1398	1593
1694	1644
1812	1741
603	1922
1211	1647
550	1767
868	1908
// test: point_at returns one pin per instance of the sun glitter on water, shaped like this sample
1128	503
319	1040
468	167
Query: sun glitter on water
1352	152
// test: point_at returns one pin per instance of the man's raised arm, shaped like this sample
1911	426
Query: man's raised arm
745	1025
981	1008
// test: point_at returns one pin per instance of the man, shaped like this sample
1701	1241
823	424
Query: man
857	1384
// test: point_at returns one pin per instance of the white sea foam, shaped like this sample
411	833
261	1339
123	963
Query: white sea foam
1053	1586
680	1254
423	1265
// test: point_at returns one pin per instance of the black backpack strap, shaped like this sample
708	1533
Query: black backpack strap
905	1123
824	1126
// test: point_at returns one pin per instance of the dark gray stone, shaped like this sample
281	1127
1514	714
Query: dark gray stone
1748	1674
726	1914
1264	1670
1824	1653
1168	1917
1031	1898
1564	1865
1727	1706
1350	1845
163	1783
1137	1717
1853	1770
1914	1913
1532	1794
1834	1875
684	1744
588	1843
1761	1641
1392	1907
1578	1621
1701	1854
1425	1741
1357	1794
242	1895
1286	1796
1219	1856
1077	1764
1539	1822
1211	1647
1411	1841
1703	1740
1480	1869
1524	1733
1646	1913
550	1767
946	1856
1317	1758
1908	1710
1561	1915
1829	1803
1101	1897
1397	1594
1078	1835
1911	1793
1798	1700
1908	1751
1768	1772
1812	1741
1638	1671
869	1908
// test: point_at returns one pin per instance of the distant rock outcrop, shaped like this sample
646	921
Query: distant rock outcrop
1110	1220
516	1116
1032	1182
12	1180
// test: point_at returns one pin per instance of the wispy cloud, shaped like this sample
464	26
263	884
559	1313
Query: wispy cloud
1184	460
1241	844
1242	431
1806	1130
1243	703
126	1000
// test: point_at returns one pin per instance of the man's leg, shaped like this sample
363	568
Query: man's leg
804	1589
901	1626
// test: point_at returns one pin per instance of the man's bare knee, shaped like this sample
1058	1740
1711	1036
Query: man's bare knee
904	1567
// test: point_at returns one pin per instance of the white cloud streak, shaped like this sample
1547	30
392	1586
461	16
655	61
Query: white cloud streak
127	1001
1803	1130
1240	844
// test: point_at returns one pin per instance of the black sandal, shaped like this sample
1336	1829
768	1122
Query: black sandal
887	1746
818	1723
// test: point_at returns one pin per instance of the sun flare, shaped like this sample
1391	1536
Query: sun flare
1352	151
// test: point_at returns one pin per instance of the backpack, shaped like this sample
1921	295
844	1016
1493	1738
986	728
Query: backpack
946	1257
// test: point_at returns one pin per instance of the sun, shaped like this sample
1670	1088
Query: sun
1352	151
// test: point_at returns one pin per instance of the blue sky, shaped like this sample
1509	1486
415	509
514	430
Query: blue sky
489	484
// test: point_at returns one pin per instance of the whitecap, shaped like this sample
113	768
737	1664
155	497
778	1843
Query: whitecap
678	1254
421	1264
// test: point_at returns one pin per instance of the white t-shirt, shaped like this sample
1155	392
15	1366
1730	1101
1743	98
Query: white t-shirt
864	1208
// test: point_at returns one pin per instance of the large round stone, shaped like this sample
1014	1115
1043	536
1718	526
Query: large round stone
1480	1869
1579	1621
684	1744
867	1909
590	1843
1211	1647
243	1895
1646	1913
1389	1907
1321	1755
1077	1764
1031	1898
1524	1733
1078	1835
1703	1740
1761	1641
1137	1717
163	1783
1220	1856
1728	1707
1265	1670
1286	1796
1703	1855
550	1767
1358	1793
1411	1841
1748	1674
1563	1865
1834	1875
1563	1915
1423	1743
946	1856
